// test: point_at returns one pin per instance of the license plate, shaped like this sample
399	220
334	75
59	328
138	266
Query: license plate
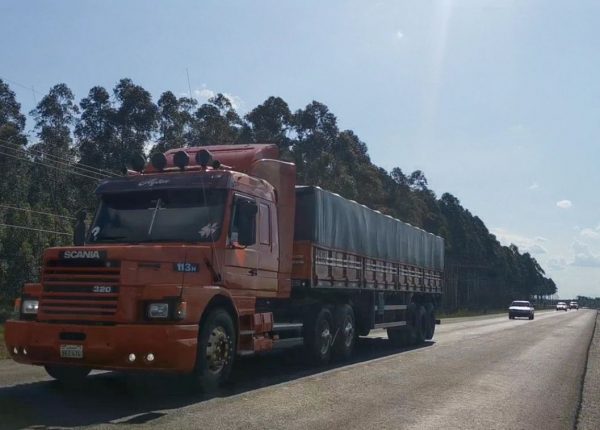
71	351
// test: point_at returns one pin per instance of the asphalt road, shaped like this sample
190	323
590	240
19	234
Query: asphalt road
477	373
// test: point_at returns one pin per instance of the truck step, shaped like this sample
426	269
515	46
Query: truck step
287	327
288	342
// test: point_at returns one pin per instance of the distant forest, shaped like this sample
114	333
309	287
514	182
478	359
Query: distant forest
47	178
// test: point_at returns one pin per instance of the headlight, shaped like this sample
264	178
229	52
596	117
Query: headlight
30	307
158	311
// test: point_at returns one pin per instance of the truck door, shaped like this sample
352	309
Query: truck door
241	256
268	258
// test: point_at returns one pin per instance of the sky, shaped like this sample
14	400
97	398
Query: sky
497	101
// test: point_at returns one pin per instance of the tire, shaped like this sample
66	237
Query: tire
510	317
399	337
531	317
345	328
216	350
430	317
418	326
318	336
67	375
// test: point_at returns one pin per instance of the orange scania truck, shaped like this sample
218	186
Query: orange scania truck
206	254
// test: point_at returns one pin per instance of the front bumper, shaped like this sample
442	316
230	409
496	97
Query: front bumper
105	347
521	313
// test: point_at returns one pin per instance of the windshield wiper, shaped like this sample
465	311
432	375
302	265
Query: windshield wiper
153	216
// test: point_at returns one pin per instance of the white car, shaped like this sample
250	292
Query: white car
574	305
520	308
562	306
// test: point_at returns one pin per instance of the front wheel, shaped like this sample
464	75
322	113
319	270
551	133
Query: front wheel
71	376
318	336
216	350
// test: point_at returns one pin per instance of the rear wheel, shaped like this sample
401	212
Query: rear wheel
345	338
430	318
318	336
216	350
420	324
399	337
71	376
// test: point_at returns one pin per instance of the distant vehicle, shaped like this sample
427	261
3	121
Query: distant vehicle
562	306
520	308
574	305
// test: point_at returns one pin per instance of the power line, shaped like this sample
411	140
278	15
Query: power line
61	160
36	212
50	166
34	229
66	164
19	84
69	165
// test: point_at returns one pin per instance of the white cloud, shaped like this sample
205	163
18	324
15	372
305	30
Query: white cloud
537	249
206	93
583	256
589	233
399	34
524	243
534	186
564	204
557	263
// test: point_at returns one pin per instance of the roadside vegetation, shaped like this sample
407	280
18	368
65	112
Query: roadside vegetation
47	178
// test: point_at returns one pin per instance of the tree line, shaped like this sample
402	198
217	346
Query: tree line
47	178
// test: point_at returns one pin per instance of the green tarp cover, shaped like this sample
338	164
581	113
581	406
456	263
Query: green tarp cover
329	220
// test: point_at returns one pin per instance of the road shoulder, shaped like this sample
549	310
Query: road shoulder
589	413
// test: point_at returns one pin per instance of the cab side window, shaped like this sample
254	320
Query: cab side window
243	221
265	224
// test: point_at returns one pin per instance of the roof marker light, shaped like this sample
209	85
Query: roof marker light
204	158
181	159
138	162
158	160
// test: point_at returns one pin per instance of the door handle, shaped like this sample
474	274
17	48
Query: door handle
252	272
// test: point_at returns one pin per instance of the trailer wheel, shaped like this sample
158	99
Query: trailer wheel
419	324
318	336
216	350
70	376
430	318
345	328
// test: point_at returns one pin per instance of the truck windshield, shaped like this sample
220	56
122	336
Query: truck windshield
160	216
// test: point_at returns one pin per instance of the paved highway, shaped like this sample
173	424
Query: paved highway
477	373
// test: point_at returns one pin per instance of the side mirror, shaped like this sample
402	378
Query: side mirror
80	229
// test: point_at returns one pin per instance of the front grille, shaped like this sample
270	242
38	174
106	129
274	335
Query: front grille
81	290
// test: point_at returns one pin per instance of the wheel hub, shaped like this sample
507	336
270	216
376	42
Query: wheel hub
325	338
348	332
218	349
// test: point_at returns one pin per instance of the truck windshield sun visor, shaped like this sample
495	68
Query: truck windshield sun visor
211	179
